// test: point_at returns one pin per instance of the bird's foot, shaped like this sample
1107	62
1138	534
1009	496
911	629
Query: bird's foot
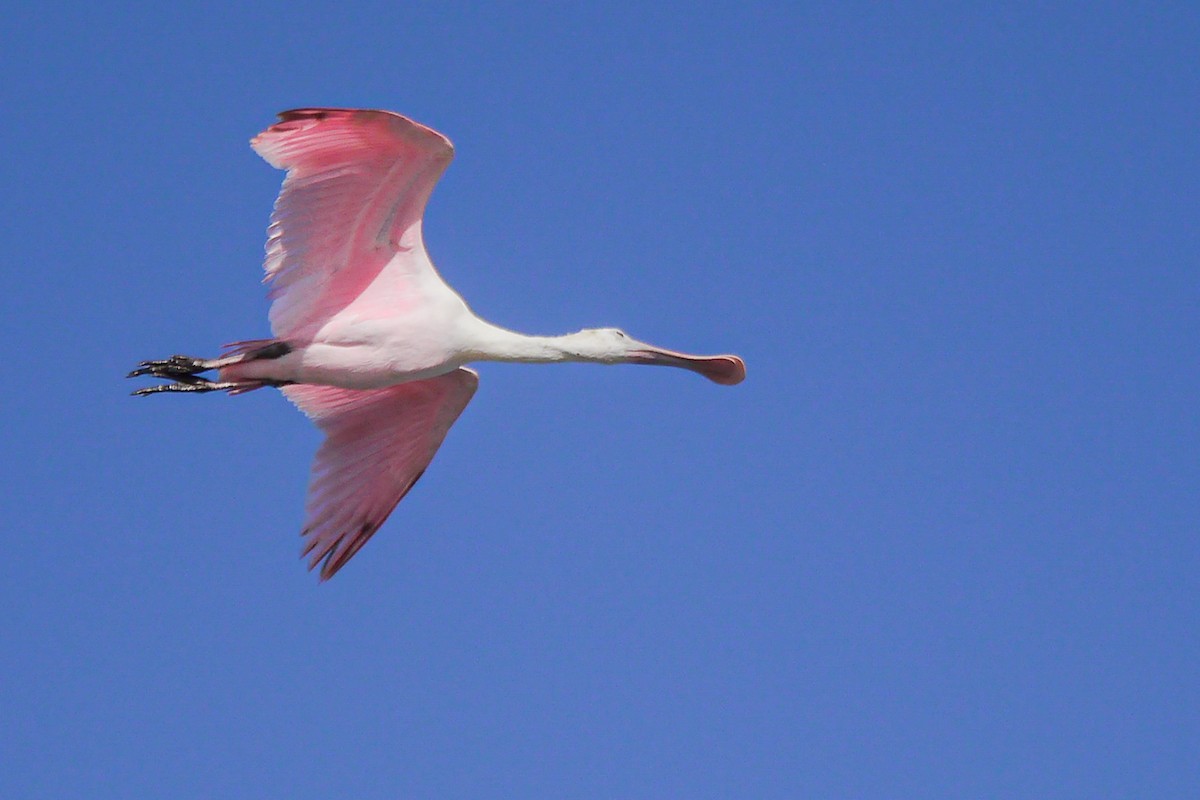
192	383
176	367
183	372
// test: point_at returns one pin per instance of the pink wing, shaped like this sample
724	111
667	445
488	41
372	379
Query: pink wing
356	187
377	444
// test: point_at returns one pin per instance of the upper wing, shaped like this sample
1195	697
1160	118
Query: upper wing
377	443
356	187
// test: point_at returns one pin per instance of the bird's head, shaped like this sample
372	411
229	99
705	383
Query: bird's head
614	346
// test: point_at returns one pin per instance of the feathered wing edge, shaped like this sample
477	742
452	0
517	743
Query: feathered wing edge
356	187
378	443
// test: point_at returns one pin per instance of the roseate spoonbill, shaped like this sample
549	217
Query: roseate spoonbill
370	342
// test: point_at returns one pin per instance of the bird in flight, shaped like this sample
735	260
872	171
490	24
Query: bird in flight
369	341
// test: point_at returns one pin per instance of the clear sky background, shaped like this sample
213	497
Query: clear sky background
941	543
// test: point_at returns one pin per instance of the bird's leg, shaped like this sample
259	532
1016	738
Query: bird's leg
191	383
178	367
184	371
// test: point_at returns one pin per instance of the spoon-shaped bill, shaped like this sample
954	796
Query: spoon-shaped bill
725	370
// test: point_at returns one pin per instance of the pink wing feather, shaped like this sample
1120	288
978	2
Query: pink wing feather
356	187
377	444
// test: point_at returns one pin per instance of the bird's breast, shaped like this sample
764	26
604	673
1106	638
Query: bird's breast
367	352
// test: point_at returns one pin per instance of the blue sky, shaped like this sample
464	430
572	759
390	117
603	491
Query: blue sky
941	543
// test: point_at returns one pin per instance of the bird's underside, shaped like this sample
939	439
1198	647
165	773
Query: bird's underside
369	342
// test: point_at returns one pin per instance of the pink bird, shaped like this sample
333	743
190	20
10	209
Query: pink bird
370	342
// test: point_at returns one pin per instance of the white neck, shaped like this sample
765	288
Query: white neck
493	343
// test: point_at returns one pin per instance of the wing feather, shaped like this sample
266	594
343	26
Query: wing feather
356	187
378	442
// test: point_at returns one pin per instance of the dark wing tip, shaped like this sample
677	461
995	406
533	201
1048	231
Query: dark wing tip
338	557
402	124
312	113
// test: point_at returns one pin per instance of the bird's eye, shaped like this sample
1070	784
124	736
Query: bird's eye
621	334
